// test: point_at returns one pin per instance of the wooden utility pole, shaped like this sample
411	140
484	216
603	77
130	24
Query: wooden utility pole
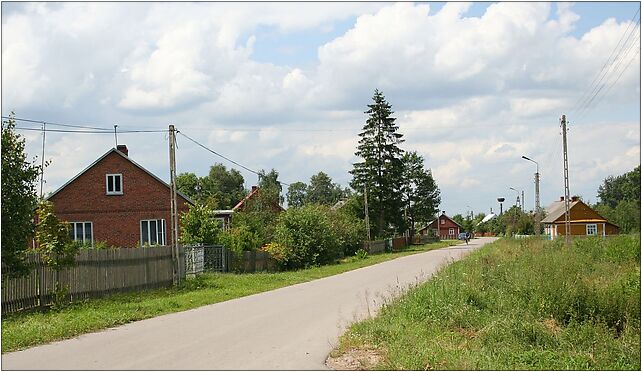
567	215
173	205
42	161
365	201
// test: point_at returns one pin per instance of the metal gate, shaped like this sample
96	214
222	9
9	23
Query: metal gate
200	258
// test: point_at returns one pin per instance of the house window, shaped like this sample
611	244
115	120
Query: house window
591	229
82	232
152	232
451	231
114	184
221	222
443	221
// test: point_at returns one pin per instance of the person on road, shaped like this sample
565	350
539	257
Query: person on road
467	238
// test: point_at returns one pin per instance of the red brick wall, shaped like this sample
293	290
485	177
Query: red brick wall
116	218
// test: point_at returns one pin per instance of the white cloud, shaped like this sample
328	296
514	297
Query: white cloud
471	94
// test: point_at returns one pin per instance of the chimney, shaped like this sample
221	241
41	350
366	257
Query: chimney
443	212
574	198
561	198
123	149
254	188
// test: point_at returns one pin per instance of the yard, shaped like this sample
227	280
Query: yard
23	330
512	305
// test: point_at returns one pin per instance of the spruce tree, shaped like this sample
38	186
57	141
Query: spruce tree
381	169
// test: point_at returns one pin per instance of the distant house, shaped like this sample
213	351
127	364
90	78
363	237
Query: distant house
584	220
444	227
225	215
117	201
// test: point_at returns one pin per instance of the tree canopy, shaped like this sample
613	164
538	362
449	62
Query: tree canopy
19	199
620	200
220	189
420	192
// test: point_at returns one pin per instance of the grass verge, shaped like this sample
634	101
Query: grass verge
515	305
23	330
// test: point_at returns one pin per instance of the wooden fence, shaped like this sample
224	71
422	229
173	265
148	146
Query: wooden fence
96	274
253	261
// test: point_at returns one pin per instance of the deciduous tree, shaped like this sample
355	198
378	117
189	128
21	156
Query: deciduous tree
19	199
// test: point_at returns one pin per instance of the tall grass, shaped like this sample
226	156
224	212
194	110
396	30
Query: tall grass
524	304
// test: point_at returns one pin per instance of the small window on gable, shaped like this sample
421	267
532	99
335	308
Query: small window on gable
443	221
114	184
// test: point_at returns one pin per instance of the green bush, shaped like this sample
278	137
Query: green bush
308	235
199	226
350	230
240	238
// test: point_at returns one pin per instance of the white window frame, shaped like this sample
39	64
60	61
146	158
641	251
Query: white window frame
114	175
91	229
451	231
593	225
221	220
161	234
443	221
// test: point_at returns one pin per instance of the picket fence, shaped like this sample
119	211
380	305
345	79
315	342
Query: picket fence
97	273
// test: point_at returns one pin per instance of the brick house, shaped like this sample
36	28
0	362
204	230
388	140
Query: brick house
225	215
117	201
444	227
584	220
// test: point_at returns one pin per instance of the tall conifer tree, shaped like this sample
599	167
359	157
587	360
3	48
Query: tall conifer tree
381	169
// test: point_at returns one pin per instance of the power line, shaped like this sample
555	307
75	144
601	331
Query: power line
56	124
88	131
590	89
225	157
612	67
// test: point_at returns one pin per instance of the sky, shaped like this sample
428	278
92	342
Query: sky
474	87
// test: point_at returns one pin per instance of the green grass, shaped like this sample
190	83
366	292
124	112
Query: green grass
516	305
23	330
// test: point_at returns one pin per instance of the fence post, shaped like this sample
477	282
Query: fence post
42	288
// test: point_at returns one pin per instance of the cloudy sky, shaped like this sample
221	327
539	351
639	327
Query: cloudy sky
474	87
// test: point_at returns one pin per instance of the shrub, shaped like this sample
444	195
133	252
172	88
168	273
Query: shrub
199	226
350	230
240	238
308	236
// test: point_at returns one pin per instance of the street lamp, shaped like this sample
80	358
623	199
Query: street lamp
518	204
471	211
537	219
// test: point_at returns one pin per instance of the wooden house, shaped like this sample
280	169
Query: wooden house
584	221
444	227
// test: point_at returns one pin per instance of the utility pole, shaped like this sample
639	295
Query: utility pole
173	204
523	201
115	136
537	217
42	161
365	200
567	215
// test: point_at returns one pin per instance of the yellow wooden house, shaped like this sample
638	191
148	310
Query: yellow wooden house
584	220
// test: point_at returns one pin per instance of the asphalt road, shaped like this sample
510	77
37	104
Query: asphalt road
289	328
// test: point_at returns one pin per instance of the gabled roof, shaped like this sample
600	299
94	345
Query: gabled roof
128	159
255	190
557	210
433	221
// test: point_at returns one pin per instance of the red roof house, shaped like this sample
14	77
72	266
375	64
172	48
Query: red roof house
444	227
118	202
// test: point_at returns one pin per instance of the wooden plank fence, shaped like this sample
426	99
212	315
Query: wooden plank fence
96	274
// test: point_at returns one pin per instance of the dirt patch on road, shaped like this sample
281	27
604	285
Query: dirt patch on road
354	360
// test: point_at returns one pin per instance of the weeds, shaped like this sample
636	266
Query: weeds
519	305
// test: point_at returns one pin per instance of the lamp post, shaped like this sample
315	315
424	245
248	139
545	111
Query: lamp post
471	211
537	217
518	204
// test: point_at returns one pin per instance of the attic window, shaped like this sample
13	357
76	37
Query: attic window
114	184
443	221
